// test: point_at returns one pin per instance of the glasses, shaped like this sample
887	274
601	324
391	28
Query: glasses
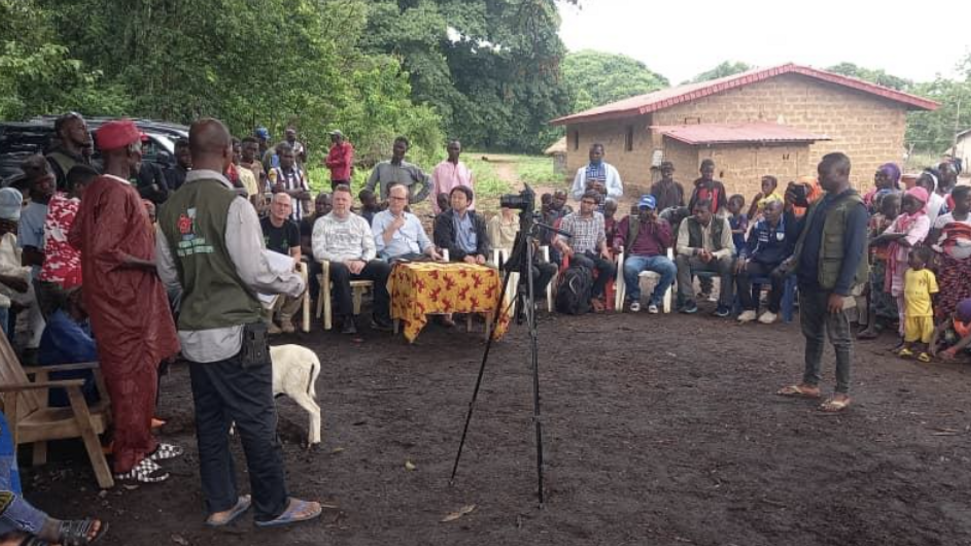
397	198
588	202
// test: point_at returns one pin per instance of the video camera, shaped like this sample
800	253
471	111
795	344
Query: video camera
524	200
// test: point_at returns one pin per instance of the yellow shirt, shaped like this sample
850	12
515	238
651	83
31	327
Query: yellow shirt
918	287
774	196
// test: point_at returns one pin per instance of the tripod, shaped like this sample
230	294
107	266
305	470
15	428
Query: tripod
521	259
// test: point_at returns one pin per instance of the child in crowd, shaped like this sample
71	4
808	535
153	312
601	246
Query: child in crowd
369	205
954	334
610	222
882	306
919	287
737	220
770	185
443	204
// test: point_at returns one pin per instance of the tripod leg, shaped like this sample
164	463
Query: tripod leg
530	307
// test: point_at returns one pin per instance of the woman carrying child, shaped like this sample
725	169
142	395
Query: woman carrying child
882	306
951	239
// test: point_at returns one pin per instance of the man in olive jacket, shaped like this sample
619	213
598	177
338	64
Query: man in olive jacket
829	261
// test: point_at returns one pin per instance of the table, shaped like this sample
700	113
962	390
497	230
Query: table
419	289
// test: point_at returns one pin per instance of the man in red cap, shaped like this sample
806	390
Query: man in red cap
130	313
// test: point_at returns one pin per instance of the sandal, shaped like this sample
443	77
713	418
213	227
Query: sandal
597	305
834	406
78	532
905	353
292	514
798	391
924	357
165	452
868	334
242	505
144	472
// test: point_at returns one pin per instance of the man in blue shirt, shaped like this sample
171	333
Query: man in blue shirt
770	243
461	231
398	234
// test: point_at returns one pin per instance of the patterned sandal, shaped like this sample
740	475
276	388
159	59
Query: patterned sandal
165	452
78	532
144	472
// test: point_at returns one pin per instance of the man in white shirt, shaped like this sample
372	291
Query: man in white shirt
345	241
597	173
398	234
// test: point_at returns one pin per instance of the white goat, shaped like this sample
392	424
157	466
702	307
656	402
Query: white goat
295	370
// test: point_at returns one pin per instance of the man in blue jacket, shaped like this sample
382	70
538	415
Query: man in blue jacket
769	244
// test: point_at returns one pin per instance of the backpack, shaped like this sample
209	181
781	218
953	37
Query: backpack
573	295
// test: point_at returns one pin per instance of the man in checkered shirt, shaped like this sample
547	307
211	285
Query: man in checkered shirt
587	246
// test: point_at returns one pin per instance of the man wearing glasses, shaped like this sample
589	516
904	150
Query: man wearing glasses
587	245
398	234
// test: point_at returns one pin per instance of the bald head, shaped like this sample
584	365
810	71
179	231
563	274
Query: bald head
210	145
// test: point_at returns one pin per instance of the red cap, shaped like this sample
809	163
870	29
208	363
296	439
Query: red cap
117	134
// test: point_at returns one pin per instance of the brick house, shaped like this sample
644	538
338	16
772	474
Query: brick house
777	121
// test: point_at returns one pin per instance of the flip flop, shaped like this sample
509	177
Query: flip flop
75	532
834	406
290	515
924	357
797	391
905	353
242	505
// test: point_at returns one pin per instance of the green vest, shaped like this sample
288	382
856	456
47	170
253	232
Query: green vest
694	232
194	223
831	246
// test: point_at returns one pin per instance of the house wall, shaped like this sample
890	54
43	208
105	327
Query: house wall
868	129
964	151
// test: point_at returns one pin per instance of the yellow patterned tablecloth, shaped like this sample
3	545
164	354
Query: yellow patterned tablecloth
421	288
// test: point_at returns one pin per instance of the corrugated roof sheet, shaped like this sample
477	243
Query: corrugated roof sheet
667	98
737	133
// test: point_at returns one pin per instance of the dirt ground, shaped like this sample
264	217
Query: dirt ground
658	430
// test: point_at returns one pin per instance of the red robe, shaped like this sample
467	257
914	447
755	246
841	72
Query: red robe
130	314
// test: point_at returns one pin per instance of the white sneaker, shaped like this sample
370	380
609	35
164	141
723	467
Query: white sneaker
652	309
747	316
713	298
635	307
768	317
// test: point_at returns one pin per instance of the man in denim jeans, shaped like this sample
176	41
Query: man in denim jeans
646	238
829	260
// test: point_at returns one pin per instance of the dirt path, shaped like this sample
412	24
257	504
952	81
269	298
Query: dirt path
651	438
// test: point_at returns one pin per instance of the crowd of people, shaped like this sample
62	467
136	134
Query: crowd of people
192	246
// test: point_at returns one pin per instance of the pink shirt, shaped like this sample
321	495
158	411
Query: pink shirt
448	175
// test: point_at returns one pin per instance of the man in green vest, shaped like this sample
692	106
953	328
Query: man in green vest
829	261
705	245
210	246
72	137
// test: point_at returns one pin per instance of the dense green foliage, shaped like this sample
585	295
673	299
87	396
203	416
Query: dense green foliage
596	78
727	68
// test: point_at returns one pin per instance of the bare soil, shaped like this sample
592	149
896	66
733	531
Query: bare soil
658	430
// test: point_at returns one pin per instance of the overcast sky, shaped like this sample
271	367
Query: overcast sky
680	38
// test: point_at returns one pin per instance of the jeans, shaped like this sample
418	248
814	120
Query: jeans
817	322
376	271
688	265
224	392
16	514
605	270
634	265
542	274
744	282
4	319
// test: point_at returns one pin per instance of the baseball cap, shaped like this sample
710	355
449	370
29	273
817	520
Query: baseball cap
647	201
11	202
336	132
262	132
117	134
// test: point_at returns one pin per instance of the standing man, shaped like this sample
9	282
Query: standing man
129	309
246	176
667	193
449	174
399	171
72	138
461	231
709	189
340	160
705	244
292	180
646	238
829	260
345	241
250	160
175	176
398	234
299	150
210	247
282	235
597	172
587	246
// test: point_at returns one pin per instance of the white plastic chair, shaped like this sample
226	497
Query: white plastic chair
650	275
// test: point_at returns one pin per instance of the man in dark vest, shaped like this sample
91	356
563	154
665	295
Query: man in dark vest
829	261
705	244
211	247
72	137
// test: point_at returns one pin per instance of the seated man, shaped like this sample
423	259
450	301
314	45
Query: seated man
770	243
461	231
705	244
67	340
322	206
398	234
346	242
282	235
587	246
646	238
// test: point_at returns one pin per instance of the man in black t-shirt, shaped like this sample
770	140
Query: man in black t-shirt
281	234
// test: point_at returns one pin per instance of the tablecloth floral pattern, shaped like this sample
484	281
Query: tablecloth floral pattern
421	288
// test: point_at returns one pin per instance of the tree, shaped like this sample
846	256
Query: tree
933	132
727	68
597	78
877	76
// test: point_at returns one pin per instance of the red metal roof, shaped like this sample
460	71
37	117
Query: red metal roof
737	133
672	96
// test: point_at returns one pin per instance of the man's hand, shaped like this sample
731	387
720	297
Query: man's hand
740	265
480	259
398	222
470	259
704	255
835	303
434	254
355	266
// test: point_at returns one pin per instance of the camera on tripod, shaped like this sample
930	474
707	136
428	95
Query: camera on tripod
524	200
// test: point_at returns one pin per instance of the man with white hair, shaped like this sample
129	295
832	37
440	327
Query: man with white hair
398	234
282	235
